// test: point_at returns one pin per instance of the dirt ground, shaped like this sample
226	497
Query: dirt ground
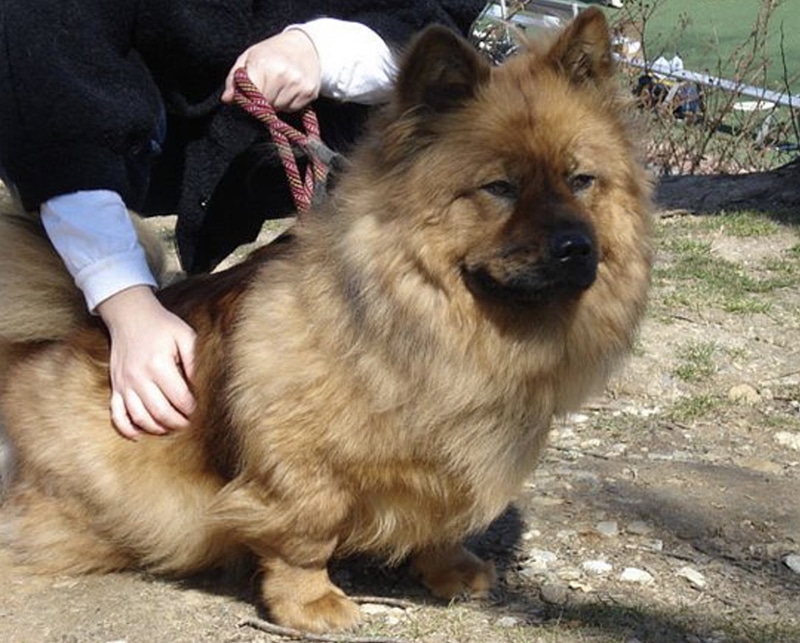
667	510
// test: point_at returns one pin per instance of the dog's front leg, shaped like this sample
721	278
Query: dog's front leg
453	571
293	534
302	596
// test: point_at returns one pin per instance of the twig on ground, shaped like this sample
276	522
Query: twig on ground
384	600
674	426
298	635
581	452
683	318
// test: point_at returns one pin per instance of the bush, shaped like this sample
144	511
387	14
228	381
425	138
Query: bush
692	128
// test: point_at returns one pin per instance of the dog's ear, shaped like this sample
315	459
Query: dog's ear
583	50
440	71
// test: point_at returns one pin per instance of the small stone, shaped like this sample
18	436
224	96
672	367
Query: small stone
616	450
554	593
565	433
590	481
639	528
787	439
656	544
569	573
607	528
507	621
695	578
792	561
776	550
634	575
744	394
546	501
388	613
597	567
540	559
583	586
760	465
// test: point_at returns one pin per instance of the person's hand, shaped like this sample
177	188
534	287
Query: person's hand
285	69
151	364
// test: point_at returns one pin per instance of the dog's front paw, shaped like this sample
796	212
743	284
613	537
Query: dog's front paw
304	598
331	611
454	571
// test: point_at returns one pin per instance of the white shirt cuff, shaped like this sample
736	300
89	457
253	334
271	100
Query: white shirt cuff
93	232
356	64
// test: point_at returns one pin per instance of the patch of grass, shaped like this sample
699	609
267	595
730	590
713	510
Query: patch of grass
691	276
786	269
697	361
694	407
700	279
736	352
618	426
747	306
774	421
741	224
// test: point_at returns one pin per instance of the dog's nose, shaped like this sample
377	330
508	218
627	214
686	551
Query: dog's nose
570	246
573	258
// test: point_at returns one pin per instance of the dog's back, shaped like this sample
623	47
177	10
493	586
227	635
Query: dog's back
46	304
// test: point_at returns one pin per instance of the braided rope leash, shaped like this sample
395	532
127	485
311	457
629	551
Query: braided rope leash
306	187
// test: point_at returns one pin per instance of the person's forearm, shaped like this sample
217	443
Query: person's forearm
95	237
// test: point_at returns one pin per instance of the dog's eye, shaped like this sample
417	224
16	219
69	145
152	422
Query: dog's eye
501	189
580	182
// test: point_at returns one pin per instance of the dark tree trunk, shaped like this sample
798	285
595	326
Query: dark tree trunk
776	190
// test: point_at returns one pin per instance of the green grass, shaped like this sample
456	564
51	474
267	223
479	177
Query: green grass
706	32
696	361
741	224
692	277
700	279
694	407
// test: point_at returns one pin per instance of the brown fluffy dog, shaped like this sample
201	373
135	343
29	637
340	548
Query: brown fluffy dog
381	382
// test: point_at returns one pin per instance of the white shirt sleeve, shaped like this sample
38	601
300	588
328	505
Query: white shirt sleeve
356	64
93	233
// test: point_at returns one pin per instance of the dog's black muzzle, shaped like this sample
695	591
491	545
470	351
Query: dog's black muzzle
564	266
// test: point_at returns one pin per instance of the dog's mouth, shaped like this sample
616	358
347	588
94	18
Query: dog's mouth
568	268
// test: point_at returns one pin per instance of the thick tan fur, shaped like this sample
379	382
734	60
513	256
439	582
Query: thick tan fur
384	380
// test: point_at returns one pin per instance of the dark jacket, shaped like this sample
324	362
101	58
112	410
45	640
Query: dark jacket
83	84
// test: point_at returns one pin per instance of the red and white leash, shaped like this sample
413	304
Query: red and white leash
303	185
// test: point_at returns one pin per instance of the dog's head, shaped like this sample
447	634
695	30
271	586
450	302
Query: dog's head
524	176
